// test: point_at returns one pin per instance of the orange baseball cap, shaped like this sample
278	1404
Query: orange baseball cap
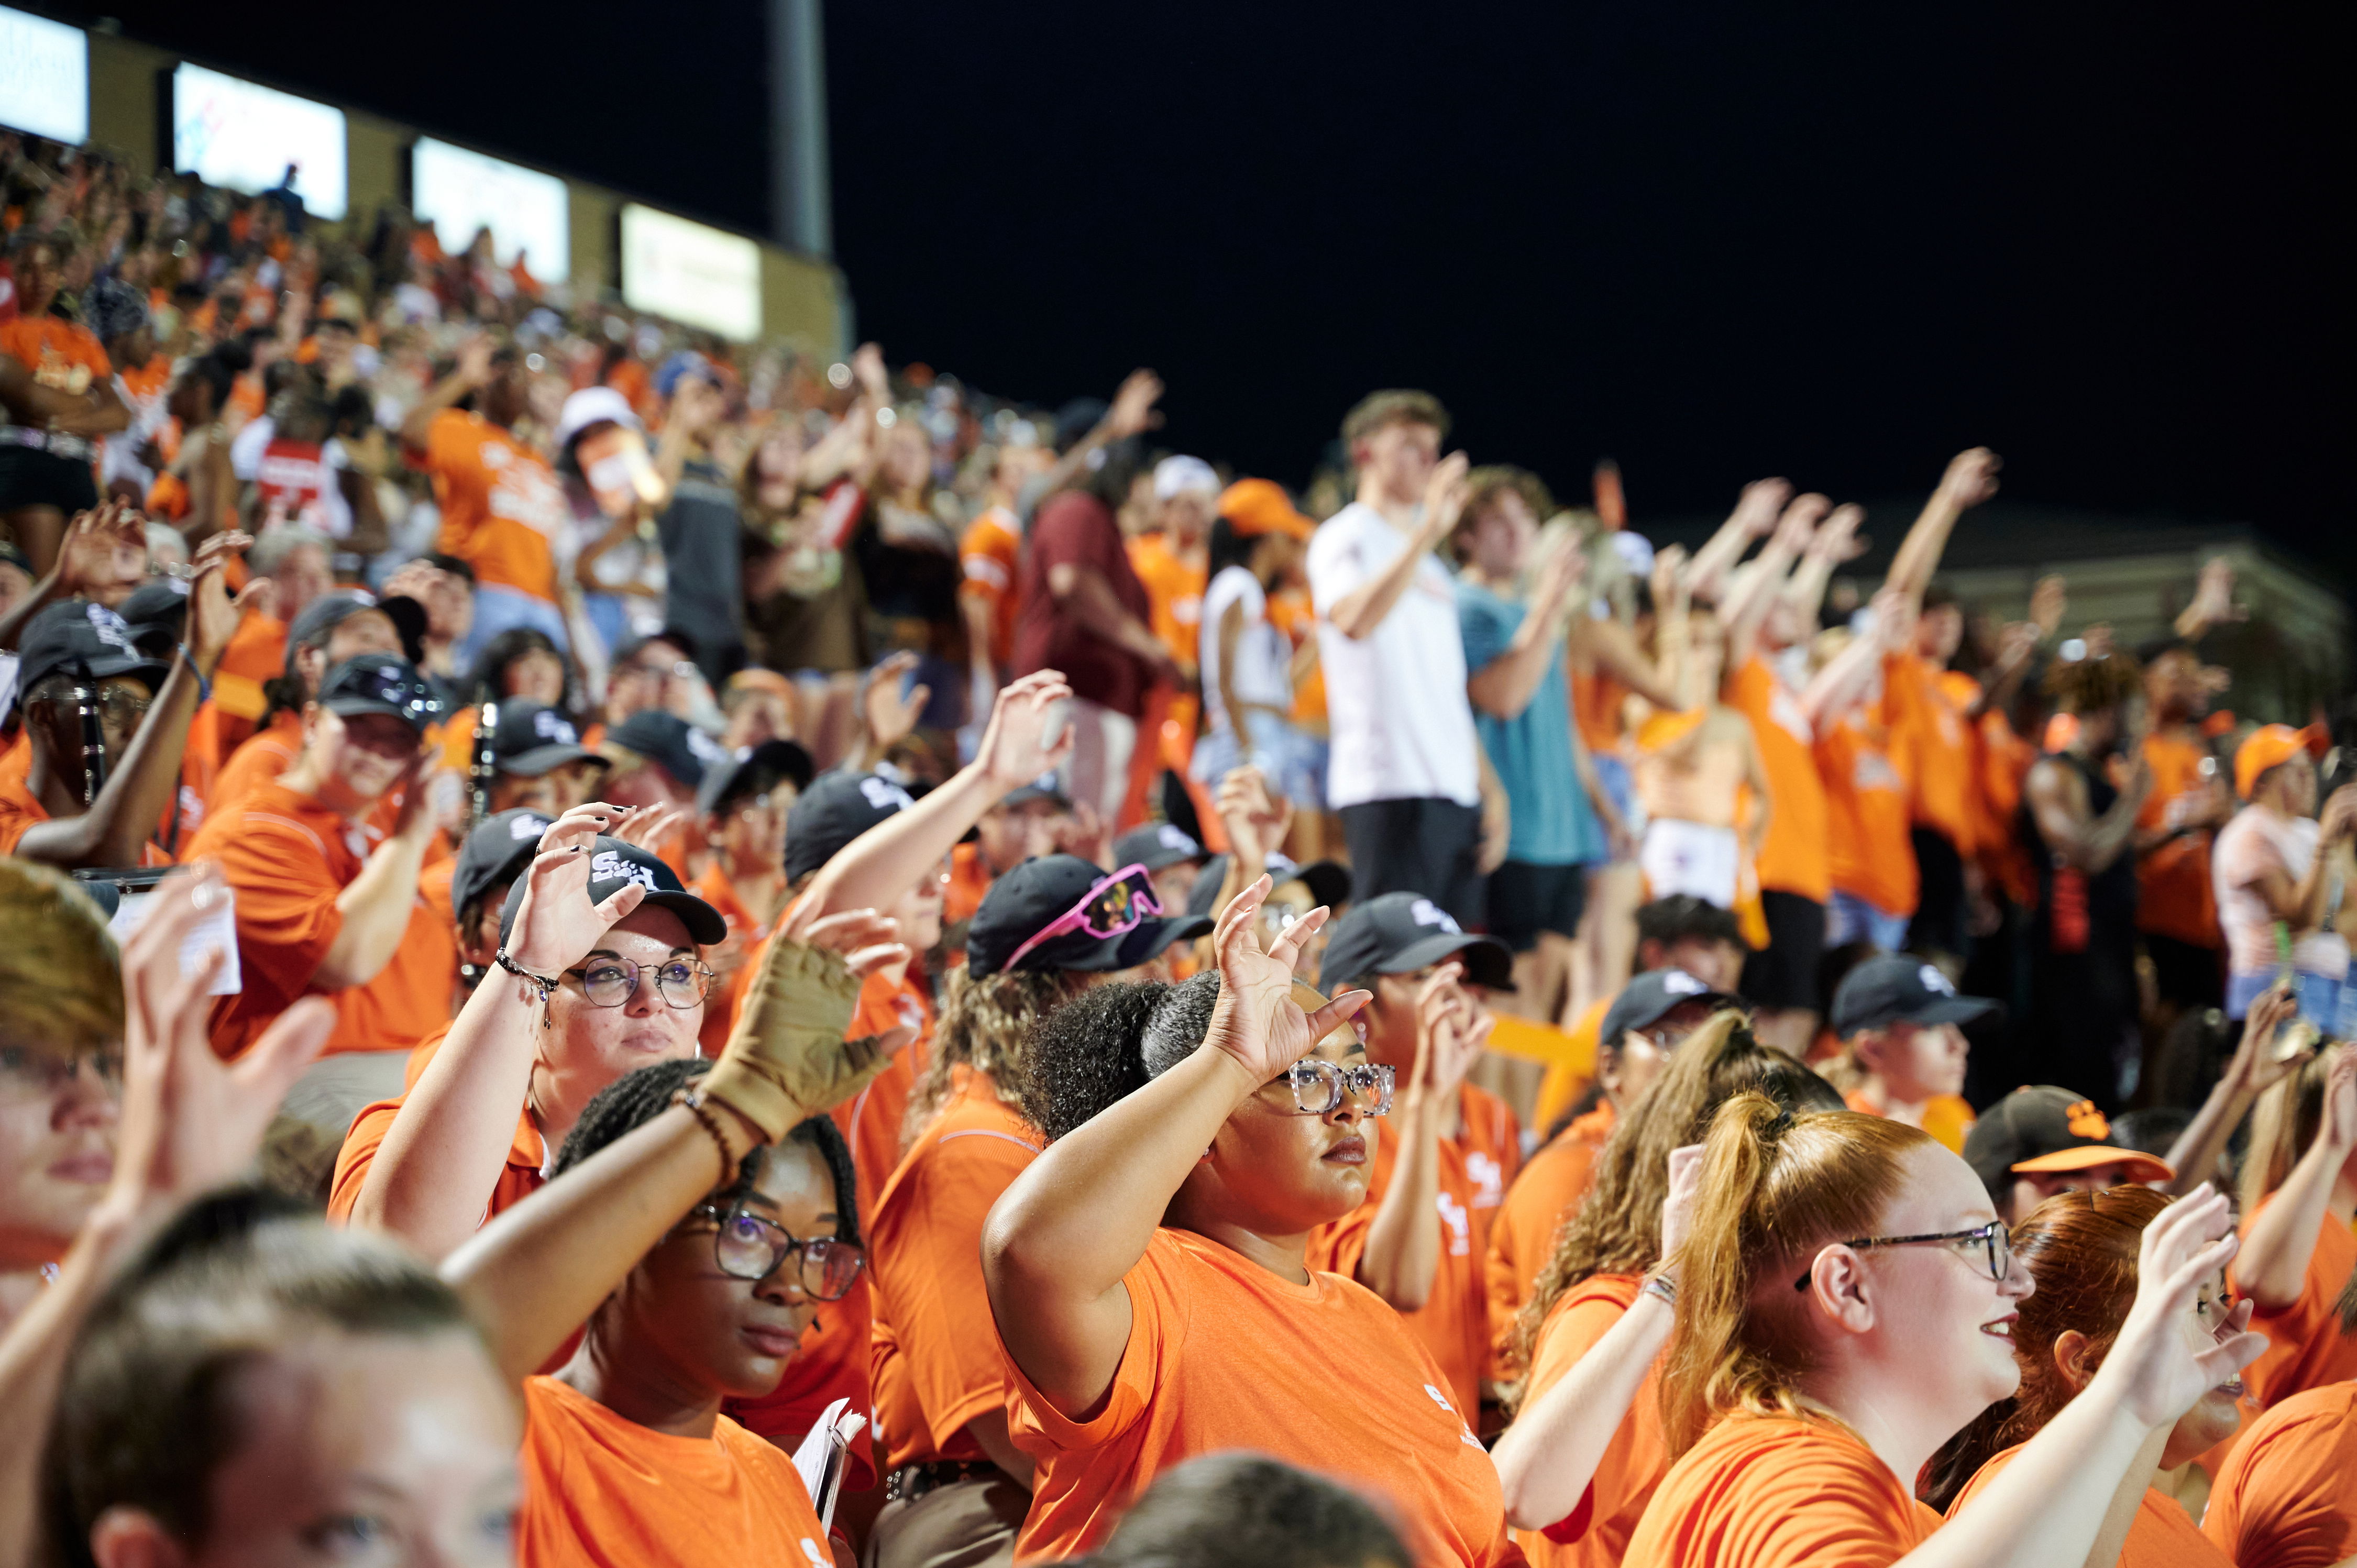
2269	746
1255	507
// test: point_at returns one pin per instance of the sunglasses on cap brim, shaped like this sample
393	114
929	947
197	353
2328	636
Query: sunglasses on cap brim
1113	906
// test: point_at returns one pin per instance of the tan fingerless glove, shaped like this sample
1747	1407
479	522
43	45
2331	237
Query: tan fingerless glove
786	1059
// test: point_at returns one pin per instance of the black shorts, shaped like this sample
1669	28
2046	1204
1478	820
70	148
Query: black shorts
28	477
1425	845
1783	974
1526	899
2186	976
1939	925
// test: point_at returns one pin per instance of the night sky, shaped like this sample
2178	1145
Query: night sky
1713	243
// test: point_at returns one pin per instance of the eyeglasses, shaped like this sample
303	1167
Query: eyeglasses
1113	907
748	1246
1997	1247
118	705
612	981
392	684
1319	1086
44	1072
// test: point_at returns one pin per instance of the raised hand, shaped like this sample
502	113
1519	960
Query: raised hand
212	614
103	556
646	827
1836	539
890	716
2155	1372
1895	614
1450	1035
1133	411
1669	566
1796	527
191	1121
2340	1099
1445	495
475	361
2257	1064
867	940
2213	593
1560	573
1256	1023
2048	602
556	925
1761	504
1971	478
1677	1204
868	370
1012	752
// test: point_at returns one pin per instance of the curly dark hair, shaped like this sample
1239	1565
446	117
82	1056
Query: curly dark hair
2090	685
631	1101
987	1025
1087	1055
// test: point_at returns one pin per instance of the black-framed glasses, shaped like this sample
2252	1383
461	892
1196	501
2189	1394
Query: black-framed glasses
1319	1086
612	981
748	1246
1996	1247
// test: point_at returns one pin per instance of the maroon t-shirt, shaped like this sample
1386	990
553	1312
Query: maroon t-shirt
1074	527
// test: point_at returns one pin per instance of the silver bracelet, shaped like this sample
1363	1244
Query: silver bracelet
1664	1287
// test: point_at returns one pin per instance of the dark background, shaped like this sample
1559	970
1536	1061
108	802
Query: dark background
1713	241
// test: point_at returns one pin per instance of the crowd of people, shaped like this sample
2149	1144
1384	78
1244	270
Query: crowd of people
617	948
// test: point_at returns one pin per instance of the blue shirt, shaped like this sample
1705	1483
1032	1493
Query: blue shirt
1552	822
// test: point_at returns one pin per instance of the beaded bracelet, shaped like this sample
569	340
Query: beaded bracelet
693	1103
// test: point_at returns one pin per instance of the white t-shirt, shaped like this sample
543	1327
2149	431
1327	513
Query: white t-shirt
2255	842
1396	699
1263	675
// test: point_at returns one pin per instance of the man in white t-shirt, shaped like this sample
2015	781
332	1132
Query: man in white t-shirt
1405	770
2275	862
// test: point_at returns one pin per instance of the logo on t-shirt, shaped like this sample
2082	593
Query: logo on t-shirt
1460	1220
1424	912
1489	1180
609	865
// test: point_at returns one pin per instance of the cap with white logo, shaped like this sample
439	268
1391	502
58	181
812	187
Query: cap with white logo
614	865
1894	988
1400	933
1156	845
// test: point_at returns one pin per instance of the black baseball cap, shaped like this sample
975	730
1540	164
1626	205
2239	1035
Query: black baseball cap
1892	988
323	615
724	781
1400	933
2040	1127
157	612
1029	898
79	637
1156	845
380	684
531	738
1044	787
837	808
498	849
614	865
670	742
1646	1000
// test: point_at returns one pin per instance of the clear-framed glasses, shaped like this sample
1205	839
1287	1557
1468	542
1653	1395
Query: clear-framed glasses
38	1072
1987	1245
748	1246
120	706
1114	905
1319	1086
612	982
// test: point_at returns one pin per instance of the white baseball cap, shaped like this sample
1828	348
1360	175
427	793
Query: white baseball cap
1178	476
593	405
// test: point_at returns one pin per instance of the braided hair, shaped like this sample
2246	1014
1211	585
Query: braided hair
636	1099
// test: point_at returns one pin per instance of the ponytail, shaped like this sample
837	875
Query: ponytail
1775	1187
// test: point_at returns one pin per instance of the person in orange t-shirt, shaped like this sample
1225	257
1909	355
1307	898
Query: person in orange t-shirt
1653	1014
695	1252
1585	1450
987	556
1870	861
46	472
2299	1263
501	503
1174	563
2177	903
2284	1500
1844	1298
1148	1274
330	630
325	902
1421	1239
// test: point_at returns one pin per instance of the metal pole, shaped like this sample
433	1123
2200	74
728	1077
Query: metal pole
802	205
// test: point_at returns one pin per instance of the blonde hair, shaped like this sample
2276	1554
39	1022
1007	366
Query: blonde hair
2282	1124
984	1024
60	972
1775	1188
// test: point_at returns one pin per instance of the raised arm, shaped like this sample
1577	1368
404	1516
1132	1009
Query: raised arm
1359	612
2299	902
1834	543
1971	478
537	1271
1754	517
376	904
104	557
472	373
1753	591
1062	1235
2213	600
876	867
2253	1069
2274	1270
1403	1250
1842	684
1505	686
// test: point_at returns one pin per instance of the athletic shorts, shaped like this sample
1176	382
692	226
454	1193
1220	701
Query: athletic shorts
1526	899
1941	914
1783	974
28	477
1429	845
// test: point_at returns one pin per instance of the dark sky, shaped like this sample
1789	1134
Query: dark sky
2112	241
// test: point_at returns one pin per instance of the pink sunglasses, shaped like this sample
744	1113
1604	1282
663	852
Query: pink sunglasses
1113	907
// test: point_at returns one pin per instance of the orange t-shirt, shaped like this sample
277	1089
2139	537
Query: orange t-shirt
1210	1335
872	1119
987	555
1174	595
2287	1499
259	760
20	809
970	878
1933	744
2162	1534
831	1364
1776	1492
1521	1236
1596	1533
2006	761
500	504
712	886
600	1489
1600	704
2306	1346
1947	1117
2174	894
1793	859
933	1372
528	1155
1867	847
1475	1169
289	858
59	354
1292	613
